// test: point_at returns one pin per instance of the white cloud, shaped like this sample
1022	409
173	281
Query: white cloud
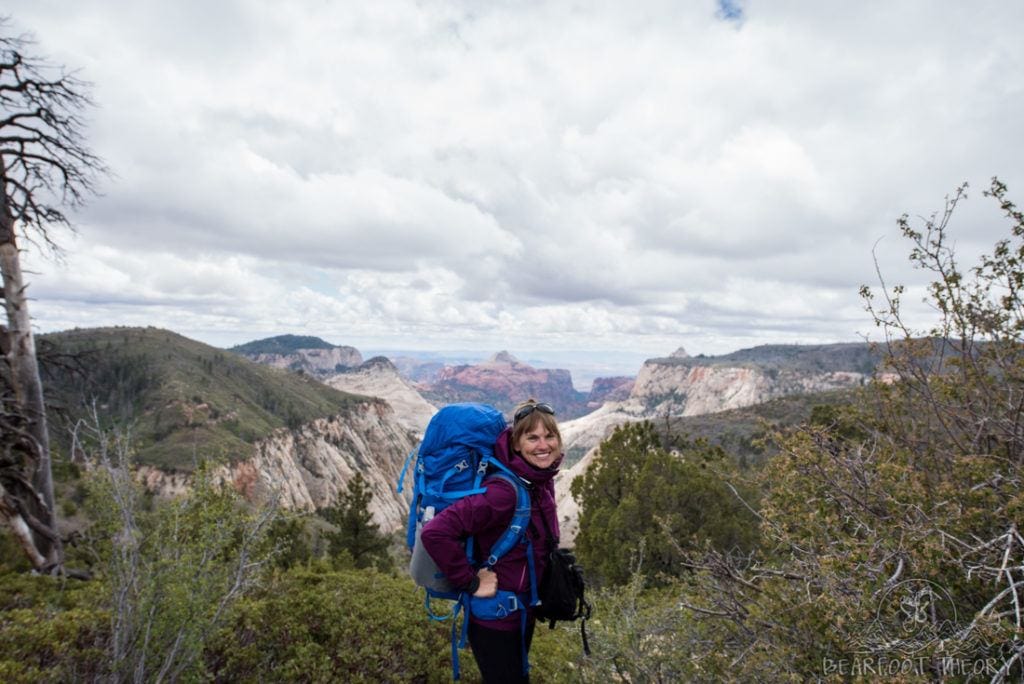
460	173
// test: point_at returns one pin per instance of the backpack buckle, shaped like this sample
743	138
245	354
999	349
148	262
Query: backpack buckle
461	465
504	609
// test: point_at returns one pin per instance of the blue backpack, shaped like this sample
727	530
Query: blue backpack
452	462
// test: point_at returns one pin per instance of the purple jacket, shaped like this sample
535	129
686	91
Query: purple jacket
486	517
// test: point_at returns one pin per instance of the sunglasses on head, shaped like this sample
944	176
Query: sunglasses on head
527	410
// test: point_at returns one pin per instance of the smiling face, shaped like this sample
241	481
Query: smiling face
540	446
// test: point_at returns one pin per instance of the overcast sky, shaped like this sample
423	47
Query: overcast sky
629	176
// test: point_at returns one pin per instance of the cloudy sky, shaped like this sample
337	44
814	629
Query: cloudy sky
428	174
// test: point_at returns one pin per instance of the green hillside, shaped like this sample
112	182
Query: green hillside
739	431
281	344
183	400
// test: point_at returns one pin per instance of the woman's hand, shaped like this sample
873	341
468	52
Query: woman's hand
488	583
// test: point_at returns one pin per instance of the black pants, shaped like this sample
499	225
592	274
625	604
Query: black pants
499	653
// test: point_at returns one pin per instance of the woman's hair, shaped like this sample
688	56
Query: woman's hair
530	421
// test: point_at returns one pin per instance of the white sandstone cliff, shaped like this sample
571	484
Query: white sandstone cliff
672	387
308	467
378	377
318	362
679	389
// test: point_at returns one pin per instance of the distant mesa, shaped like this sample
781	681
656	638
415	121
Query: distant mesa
504	381
503	357
679	354
303	353
281	344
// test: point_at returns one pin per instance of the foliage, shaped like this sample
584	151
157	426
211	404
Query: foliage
355	535
556	655
182	397
51	629
172	571
316	624
890	528
164	577
11	557
645	634
290	540
637	493
636	637
320	624
310	623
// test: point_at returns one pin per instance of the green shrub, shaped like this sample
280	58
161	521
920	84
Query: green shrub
319	624
637	493
171	568
12	558
640	634
314	624
355	534
51	630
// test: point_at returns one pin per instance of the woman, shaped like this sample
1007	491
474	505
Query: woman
532	449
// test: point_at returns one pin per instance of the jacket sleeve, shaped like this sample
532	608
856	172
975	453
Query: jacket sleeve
444	536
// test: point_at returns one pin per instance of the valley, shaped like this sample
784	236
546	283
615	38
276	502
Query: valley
293	418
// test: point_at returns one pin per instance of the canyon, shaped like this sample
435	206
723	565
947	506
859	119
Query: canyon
294	418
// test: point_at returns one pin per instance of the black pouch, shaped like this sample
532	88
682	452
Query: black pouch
562	593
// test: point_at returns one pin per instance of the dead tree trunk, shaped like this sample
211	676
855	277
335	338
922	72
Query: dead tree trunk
20	351
46	167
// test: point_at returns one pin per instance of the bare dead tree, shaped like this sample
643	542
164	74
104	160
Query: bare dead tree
46	170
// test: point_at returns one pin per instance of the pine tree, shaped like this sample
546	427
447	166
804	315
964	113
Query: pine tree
638	499
356	535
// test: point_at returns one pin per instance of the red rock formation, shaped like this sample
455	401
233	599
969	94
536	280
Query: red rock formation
609	389
505	381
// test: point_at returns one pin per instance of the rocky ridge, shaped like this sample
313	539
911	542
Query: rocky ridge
307	467
274	434
687	386
681	385
378	377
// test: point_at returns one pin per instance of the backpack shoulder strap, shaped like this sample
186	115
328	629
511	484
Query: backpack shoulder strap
520	518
